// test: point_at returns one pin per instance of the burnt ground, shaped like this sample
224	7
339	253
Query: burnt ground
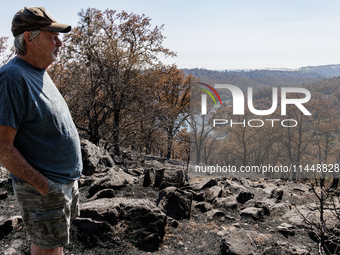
190	237
195	236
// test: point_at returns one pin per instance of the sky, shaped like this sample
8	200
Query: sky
222	34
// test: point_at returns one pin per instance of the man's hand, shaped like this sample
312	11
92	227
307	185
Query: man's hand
14	162
43	187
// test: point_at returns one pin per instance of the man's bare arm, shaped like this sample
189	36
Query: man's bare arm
14	162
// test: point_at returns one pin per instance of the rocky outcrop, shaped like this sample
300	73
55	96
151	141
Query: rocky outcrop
146	205
206	183
111	180
95	159
175	203
136	220
149	177
301	215
276	194
215	213
164	177
238	242
253	212
286	248
171	176
213	193
286	229
228	203
204	206
244	196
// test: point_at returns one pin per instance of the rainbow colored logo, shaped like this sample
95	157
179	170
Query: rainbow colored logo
209	93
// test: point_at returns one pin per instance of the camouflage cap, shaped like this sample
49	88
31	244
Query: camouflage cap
32	18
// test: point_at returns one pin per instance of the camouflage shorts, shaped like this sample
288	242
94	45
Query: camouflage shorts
47	219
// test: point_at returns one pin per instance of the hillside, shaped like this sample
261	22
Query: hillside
258	79
329	71
326	87
145	205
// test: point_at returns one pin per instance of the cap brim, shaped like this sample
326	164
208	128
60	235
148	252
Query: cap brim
57	27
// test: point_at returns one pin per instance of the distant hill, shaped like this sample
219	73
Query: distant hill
257	79
329	71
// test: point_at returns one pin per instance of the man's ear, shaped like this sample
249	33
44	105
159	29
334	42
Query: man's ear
28	40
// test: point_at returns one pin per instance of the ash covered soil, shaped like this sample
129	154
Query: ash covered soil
210	215
194	236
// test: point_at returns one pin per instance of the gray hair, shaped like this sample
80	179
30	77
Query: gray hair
19	42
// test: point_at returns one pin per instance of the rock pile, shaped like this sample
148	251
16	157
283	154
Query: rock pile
137	204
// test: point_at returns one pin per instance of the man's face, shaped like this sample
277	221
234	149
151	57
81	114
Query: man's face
47	46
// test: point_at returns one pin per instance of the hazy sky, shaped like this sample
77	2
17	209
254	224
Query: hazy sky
229	34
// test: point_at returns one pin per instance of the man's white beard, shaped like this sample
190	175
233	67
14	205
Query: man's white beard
54	57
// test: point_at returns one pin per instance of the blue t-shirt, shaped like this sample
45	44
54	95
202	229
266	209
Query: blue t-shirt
46	135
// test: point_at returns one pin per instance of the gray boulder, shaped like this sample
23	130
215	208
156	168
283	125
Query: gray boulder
237	242
137	220
149	177
94	230
95	159
280	209
212	193
173	176
206	183
203	206
175	203
264	205
234	187
307	215
214	214
253	212
286	229
285	248
105	193
229	203
244	196
111	180
276	194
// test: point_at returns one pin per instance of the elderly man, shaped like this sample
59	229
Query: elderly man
39	143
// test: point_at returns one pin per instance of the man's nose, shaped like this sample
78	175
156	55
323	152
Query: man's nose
59	43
